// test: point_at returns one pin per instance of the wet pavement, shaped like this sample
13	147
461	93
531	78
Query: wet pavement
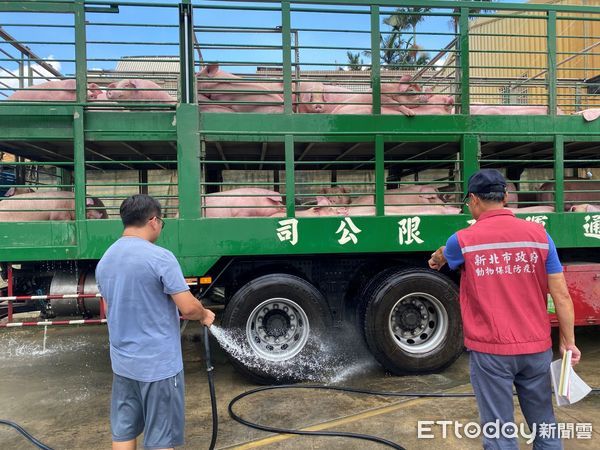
62	397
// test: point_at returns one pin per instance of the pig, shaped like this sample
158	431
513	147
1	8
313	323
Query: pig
512	110
101	97
418	194
590	115
532	209
52	205
324	208
511	189
321	98
366	109
404	210
254	100
436	105
585	208
205	105
243	202
17	191
337	195
58	91
572	198
396	98
138	90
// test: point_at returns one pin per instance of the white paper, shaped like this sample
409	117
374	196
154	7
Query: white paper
577	388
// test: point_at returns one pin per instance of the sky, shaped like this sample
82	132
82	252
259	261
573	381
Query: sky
113	42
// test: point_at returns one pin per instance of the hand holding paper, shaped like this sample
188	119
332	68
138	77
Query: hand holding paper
568	387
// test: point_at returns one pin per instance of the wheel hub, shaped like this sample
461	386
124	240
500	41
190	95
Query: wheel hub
418	322
277	329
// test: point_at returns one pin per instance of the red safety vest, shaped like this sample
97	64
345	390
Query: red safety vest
504	285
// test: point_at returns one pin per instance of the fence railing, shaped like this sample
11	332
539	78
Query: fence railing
318	56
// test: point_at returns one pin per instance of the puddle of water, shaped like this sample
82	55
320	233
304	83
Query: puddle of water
320	361
15	347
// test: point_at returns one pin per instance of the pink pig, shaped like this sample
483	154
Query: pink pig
58	91
422	194
50	205
324	208
436	105
205	105
585	208
532	209
404	210
138	90
257	97
243	202
512	110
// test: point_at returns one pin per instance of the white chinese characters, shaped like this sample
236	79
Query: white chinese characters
537	219
288	231
348	230
591	227
505	263
408	231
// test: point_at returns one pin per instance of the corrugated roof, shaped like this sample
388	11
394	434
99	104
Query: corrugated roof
152	64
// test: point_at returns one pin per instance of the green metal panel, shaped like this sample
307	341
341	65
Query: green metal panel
188	156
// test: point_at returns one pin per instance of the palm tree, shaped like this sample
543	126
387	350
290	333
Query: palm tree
398	49
354	61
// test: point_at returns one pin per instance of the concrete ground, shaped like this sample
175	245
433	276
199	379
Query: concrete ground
62	395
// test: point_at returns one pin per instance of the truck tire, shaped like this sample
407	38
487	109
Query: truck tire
412	321
279	319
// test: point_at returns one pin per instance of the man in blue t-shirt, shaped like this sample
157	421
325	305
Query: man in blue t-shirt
143	287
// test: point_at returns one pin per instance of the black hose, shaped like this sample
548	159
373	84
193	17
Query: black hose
27	436
366	437
211	387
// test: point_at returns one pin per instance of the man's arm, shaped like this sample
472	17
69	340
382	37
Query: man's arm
192	309
437	260
450	254
564	311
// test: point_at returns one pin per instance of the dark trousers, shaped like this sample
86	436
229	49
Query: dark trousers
493	377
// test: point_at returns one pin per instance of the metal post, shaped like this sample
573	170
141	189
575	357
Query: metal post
375	62
187	92
551	76
379	176
79	168
290	186
559	173
10	291
463	54
80	52
470	150
286	44
188	160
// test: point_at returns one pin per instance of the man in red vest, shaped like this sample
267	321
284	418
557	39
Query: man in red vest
508	266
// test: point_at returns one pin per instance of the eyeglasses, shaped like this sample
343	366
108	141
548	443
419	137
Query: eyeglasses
162	222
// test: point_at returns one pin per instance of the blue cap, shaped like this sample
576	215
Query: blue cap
486	181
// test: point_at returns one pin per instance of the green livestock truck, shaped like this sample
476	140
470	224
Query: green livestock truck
309	156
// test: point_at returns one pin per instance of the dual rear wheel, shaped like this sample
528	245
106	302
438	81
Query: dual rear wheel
410	320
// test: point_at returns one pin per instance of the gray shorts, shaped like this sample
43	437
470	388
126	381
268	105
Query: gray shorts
156	408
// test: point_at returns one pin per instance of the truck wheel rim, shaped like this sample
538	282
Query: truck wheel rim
277	329
418	323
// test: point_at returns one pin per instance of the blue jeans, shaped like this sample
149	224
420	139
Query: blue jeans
493	377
